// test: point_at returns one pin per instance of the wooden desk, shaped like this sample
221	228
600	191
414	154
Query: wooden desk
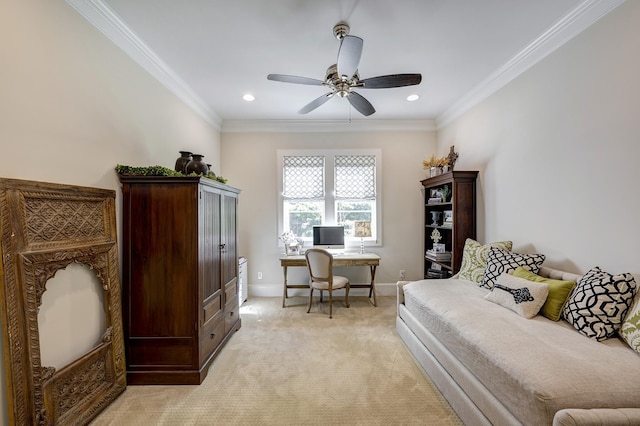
356	259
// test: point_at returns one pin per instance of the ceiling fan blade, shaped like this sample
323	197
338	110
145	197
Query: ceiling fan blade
315	103
361	104
349	55
392	80
295	79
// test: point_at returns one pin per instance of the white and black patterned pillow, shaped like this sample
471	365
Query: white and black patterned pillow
502	262
599	303
523	297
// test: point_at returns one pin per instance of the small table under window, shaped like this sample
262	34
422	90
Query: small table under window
371	260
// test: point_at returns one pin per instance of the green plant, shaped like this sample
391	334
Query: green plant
146	171
161	171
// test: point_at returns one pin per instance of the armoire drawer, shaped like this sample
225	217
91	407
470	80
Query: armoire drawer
210	337
231	313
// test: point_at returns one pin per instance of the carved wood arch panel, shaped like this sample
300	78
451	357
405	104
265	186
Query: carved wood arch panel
45	227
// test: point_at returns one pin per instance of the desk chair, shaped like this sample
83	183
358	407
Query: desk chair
320	265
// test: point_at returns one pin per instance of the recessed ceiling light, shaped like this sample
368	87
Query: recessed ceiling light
249	97
412	98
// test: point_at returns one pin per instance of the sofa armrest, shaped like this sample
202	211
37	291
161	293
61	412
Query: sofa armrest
400	291
597	417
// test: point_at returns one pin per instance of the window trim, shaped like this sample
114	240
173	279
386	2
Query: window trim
329	155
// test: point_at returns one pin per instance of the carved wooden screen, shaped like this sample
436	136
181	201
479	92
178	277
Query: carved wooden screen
44	228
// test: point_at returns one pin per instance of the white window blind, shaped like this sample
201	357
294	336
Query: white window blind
355	177
303	177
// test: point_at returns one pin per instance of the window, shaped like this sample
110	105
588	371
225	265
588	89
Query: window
355	190
329	187
303	193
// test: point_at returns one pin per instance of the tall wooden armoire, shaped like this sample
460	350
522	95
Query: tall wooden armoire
180	276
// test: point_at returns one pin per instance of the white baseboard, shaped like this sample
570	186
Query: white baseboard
276	290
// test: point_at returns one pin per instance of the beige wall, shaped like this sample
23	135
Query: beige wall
72	106
558	151
249	160
557	148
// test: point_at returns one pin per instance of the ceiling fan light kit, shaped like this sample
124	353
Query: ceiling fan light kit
343	76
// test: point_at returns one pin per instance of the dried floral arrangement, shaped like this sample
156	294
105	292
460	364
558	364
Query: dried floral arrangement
434	161
449	160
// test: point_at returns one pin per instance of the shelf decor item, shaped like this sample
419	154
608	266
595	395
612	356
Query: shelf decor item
362	230
182	161
447	220
435	165
197	165
290	243
453	157
435	218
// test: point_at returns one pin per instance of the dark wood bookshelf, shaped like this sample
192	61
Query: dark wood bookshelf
461	201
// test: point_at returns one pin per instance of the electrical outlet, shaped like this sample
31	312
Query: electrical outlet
259	275
402	273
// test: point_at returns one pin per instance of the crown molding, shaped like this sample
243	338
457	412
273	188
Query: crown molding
105	20
576	21
304	126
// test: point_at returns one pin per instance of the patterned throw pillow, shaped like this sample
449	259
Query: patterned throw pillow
502	262
599	303
522	296
474	258
630	330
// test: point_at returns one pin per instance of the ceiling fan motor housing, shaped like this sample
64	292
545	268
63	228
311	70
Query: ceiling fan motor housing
340	30
338	85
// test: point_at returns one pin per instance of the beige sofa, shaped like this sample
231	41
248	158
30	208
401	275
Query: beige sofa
496	367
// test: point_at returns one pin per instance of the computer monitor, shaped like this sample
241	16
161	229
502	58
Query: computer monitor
328	237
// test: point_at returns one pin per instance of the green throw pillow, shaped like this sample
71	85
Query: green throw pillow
630	330
474	258
559	292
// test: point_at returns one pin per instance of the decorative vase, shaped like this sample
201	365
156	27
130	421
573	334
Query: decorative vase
181	163
197	165
435	171
446	194
435	217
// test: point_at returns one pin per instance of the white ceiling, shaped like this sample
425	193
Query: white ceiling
211	52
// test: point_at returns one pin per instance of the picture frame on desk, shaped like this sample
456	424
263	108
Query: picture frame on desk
292	250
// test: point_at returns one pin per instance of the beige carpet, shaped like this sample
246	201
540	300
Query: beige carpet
287	367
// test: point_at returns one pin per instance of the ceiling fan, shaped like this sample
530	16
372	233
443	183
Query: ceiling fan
343	76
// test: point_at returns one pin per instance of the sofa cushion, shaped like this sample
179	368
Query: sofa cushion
474	258
522	296
559	292
535	367
599	303
502	261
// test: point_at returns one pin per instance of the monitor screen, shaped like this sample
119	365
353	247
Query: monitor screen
328	237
